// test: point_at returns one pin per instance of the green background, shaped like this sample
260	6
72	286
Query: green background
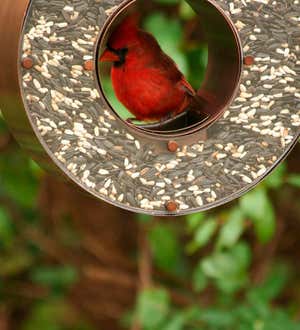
70	262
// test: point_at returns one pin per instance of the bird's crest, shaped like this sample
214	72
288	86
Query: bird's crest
131	22
126	32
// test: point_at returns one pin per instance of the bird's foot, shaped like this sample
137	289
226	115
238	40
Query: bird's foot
131	120
166	118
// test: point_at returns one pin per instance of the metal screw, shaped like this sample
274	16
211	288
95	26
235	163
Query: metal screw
249	60
89	65
172	146
171	206
27	63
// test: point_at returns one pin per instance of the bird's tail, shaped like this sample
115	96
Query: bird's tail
201	102
201	105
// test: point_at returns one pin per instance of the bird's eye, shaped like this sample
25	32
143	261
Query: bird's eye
123	52
113	50
122	55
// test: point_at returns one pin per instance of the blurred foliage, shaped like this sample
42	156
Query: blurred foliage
217	255
253	311
224	265
211	252
21	261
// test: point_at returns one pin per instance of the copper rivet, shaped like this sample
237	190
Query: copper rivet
249	60
172	146
89	65
27	63
171	206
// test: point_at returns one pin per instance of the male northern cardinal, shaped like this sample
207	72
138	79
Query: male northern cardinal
146	80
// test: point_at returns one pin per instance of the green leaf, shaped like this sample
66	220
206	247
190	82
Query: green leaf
144	218
165	247
17	180
6	229
167	2
36	170
153	307
275	283
56	277
217	318
176	323
258	207
276	179
46	315
186	11
3	126
194	220
272	287
242	254
53	313
228	269
15	263
197	57
169	33
203	235
232	229
199	278
219	265
192	313
107	86
294	180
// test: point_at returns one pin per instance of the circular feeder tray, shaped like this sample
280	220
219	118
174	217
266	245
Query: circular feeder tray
69	127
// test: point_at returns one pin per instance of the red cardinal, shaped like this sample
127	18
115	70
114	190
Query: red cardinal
146	80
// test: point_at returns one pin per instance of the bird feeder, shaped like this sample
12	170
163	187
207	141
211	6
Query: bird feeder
53	100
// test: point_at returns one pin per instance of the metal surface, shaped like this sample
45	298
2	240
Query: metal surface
114	162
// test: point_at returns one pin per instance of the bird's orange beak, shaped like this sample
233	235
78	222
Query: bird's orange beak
109	56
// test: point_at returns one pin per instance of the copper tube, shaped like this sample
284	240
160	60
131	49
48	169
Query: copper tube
12	15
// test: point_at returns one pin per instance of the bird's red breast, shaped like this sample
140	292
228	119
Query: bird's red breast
145	79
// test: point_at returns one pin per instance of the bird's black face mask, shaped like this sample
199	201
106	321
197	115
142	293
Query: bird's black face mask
121	53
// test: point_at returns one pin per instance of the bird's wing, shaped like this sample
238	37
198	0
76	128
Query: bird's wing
187	87
163	63
158	59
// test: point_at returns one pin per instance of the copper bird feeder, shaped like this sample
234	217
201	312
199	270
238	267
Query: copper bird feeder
52	99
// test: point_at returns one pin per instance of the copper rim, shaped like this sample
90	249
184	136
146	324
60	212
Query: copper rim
213	16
